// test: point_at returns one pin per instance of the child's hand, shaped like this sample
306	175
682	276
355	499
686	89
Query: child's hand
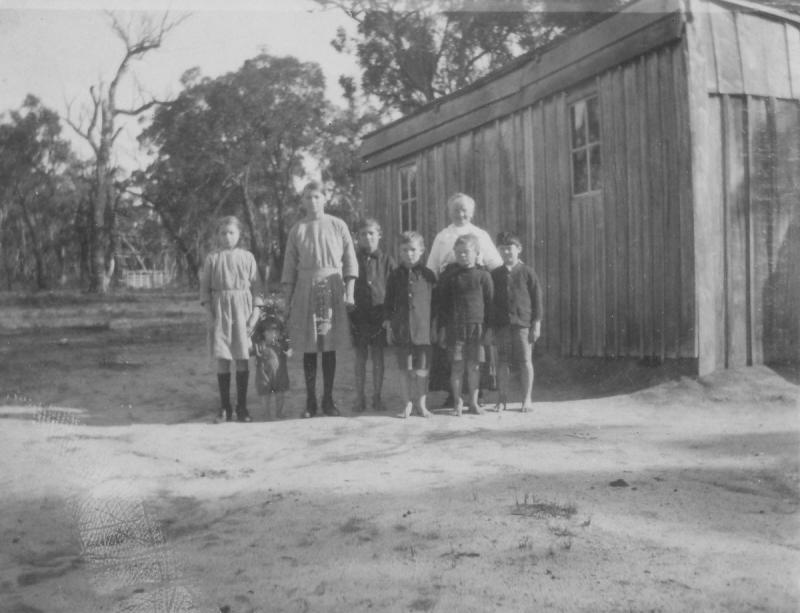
251	323
535	333
289	352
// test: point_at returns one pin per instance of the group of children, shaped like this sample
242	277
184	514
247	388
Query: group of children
399	304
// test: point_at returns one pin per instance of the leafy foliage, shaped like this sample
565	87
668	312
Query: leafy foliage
414	52
238	144
40	198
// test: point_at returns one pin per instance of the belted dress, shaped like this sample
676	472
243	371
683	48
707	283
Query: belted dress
319	255
231	286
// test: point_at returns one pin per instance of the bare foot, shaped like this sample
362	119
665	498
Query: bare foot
459	408
526	407
407	410
476	409
424	412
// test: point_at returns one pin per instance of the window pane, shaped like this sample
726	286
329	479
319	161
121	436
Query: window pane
578	120
593	117
596	167
403	217
412	182
412	222
403	185
580	172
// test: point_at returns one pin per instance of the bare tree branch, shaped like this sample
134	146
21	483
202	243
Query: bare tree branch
140	109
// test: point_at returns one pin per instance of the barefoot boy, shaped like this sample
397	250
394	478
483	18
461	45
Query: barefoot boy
517	318
464	313
407	319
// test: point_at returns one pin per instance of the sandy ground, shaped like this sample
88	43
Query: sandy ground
627	489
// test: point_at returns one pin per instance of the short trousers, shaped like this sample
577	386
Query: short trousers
513	346
465	343
413	357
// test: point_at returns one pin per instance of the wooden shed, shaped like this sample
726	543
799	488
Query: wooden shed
652	166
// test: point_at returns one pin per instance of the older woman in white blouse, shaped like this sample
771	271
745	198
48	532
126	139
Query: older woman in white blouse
461	208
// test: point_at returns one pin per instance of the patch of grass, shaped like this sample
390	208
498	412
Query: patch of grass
352	525
531	507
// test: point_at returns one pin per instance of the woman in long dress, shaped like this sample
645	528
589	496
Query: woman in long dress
460	209
319	273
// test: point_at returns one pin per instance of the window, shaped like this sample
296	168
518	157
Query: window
408	198
587	172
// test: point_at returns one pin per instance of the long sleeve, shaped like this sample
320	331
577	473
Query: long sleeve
489	253
389	298
536	299
349	259
488	300
256	283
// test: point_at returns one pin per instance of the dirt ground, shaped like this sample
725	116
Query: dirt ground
629	488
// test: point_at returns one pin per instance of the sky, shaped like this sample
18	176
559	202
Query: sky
56	49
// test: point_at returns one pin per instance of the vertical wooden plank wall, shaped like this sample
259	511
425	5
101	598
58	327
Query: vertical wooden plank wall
782	291
647	244
616	266
752	81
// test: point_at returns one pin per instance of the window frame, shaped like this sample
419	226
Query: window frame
588	146
409	206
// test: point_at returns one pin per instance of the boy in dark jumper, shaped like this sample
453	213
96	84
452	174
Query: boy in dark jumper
366	318
517	318
464	313
407	319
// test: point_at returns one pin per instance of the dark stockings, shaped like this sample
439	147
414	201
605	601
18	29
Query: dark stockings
310	373
328	373
242	378
224	383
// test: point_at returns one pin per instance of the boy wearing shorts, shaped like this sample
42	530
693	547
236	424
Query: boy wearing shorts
464	311
517	318
407	320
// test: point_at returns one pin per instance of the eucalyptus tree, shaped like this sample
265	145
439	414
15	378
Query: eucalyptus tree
413	52
38	196
236	144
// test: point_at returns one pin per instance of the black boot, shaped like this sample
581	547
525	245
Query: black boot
328	373
311	406
224	383
329	407
242	379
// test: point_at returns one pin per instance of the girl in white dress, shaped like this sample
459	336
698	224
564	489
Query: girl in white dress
230	289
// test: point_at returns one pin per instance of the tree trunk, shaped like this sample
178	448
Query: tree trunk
36	245
100	203
256	240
